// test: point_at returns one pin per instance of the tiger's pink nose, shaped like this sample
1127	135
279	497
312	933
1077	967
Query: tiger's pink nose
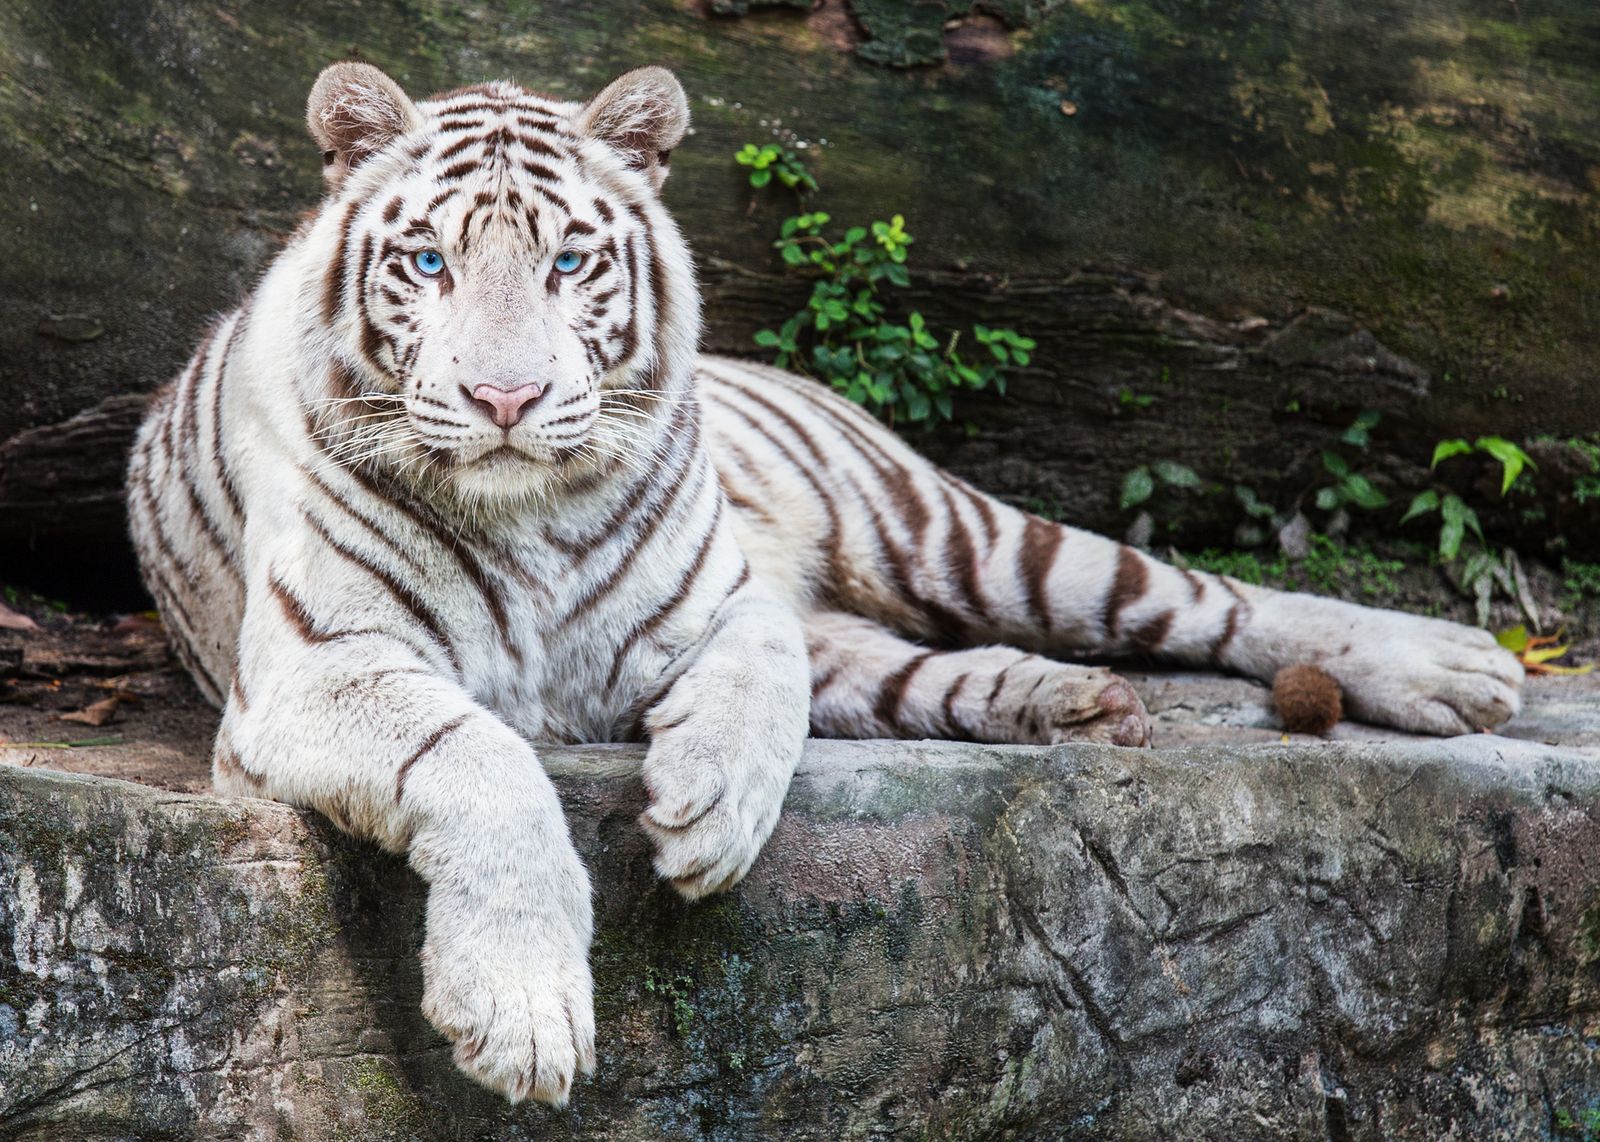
506	406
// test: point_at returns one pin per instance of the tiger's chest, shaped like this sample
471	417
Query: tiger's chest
555	646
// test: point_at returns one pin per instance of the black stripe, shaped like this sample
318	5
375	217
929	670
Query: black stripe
230	489
430	743
335	276
837	568
448	538
408	599
892	694
690	576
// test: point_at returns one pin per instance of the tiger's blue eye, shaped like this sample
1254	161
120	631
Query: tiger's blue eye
429	263
568	261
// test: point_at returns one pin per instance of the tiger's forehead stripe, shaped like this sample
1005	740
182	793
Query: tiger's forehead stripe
513	128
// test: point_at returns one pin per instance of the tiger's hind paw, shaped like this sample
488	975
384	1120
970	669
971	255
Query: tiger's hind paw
1110	713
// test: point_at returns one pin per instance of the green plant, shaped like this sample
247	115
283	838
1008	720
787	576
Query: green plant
1261	518
849	336
1141	483
1484	569
1585	1124
1128	399
1580	579
1455	518
770	160
1159	492
1245	566
676	990
1350	488
1046	507
1329	567
1512	458
1586	486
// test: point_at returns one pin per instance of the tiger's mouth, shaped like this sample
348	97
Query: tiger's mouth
500	456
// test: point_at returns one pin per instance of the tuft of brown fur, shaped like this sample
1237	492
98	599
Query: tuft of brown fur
1307	698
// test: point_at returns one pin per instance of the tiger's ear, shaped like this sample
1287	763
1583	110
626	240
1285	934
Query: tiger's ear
643	115
354	112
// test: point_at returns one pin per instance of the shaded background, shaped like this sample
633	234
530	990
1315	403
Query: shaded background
1267	217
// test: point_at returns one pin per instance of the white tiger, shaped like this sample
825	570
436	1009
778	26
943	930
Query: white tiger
453	481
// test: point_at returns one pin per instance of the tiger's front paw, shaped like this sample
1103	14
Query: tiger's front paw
716	776
511	989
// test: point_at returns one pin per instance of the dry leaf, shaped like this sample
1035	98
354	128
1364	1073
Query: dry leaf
10	620
96	713
137	624
1537	652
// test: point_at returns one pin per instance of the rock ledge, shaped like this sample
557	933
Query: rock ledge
1394	940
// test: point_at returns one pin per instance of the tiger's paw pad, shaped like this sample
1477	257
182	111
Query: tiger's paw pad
522	1024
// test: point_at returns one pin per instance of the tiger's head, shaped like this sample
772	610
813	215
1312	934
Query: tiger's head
506	305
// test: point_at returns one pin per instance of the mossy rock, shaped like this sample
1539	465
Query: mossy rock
1425	173
951	941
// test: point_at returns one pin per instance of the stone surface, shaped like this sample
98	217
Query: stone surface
1235	936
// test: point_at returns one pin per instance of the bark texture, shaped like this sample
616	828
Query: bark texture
1265	217
1385	941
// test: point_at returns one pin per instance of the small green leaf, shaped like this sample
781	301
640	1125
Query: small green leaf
1137	487
1515	640
1359	490
1512	459
767	338
1450	536
1335	464
1457	518
1453	507
1422	504
1446	449
1359	433
1176	475
760	178
1328	499
1252	504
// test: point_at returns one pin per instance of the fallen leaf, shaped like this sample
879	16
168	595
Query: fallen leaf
134	624
96	713
10	620
1538	652
1515	640
60	745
